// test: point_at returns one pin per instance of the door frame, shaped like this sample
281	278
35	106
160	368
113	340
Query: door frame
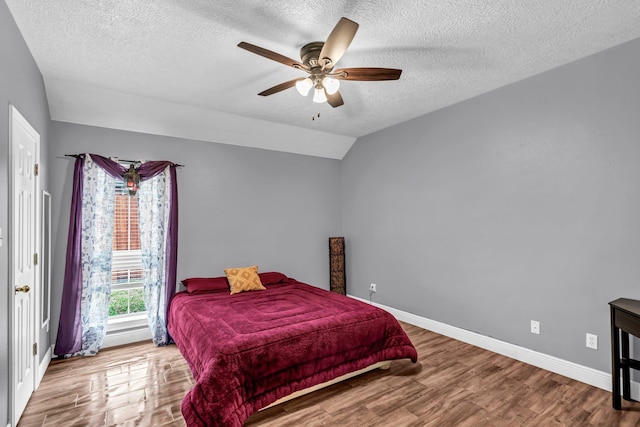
16	117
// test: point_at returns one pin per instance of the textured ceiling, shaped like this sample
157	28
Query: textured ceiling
172	67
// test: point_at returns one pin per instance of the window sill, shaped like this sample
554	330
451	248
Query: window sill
126	323
126	329
113	339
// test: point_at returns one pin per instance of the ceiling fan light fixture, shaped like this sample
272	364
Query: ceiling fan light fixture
331	85
304	86
318	61
319	96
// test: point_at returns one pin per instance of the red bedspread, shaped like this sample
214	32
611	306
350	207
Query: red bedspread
250	349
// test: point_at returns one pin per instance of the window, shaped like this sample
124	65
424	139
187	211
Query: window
126	309
85	323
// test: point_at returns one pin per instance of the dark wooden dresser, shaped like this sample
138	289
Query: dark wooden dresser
625	320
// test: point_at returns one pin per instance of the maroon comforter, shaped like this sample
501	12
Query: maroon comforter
250	349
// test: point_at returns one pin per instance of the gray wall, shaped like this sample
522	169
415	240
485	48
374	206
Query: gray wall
238	206
520	204
21	85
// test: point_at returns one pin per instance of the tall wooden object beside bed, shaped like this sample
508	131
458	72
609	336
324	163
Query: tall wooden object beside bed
338	279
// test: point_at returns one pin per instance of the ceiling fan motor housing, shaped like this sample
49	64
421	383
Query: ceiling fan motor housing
310	52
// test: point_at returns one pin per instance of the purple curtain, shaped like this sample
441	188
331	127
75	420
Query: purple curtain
114	169
172	243
69	340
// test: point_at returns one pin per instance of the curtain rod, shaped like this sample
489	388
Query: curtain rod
119	160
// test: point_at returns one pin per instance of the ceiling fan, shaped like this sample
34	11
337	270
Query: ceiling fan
318	61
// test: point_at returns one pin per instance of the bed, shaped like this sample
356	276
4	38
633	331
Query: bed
251	349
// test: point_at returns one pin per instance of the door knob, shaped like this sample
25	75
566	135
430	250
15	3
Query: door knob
24	288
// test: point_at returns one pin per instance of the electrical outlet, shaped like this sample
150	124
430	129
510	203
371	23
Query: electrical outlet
372	288
592	341
535	327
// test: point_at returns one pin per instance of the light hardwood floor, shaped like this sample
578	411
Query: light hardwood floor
453	384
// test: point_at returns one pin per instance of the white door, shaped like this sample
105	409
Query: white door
24	152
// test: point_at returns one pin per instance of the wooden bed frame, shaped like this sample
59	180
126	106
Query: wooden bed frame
380	365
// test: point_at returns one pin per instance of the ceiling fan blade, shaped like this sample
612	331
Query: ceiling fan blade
337	42
280	87
335	100
271	55
367	74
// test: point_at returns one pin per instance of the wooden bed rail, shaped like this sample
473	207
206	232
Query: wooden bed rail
380	365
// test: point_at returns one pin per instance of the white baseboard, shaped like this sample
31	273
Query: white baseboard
126	337
554	364
42	369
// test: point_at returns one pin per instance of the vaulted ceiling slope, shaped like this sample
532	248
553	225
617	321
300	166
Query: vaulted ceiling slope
172	67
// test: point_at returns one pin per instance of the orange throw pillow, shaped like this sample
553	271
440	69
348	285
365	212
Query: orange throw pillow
244	279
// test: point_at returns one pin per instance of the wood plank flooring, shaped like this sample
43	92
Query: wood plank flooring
453	384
